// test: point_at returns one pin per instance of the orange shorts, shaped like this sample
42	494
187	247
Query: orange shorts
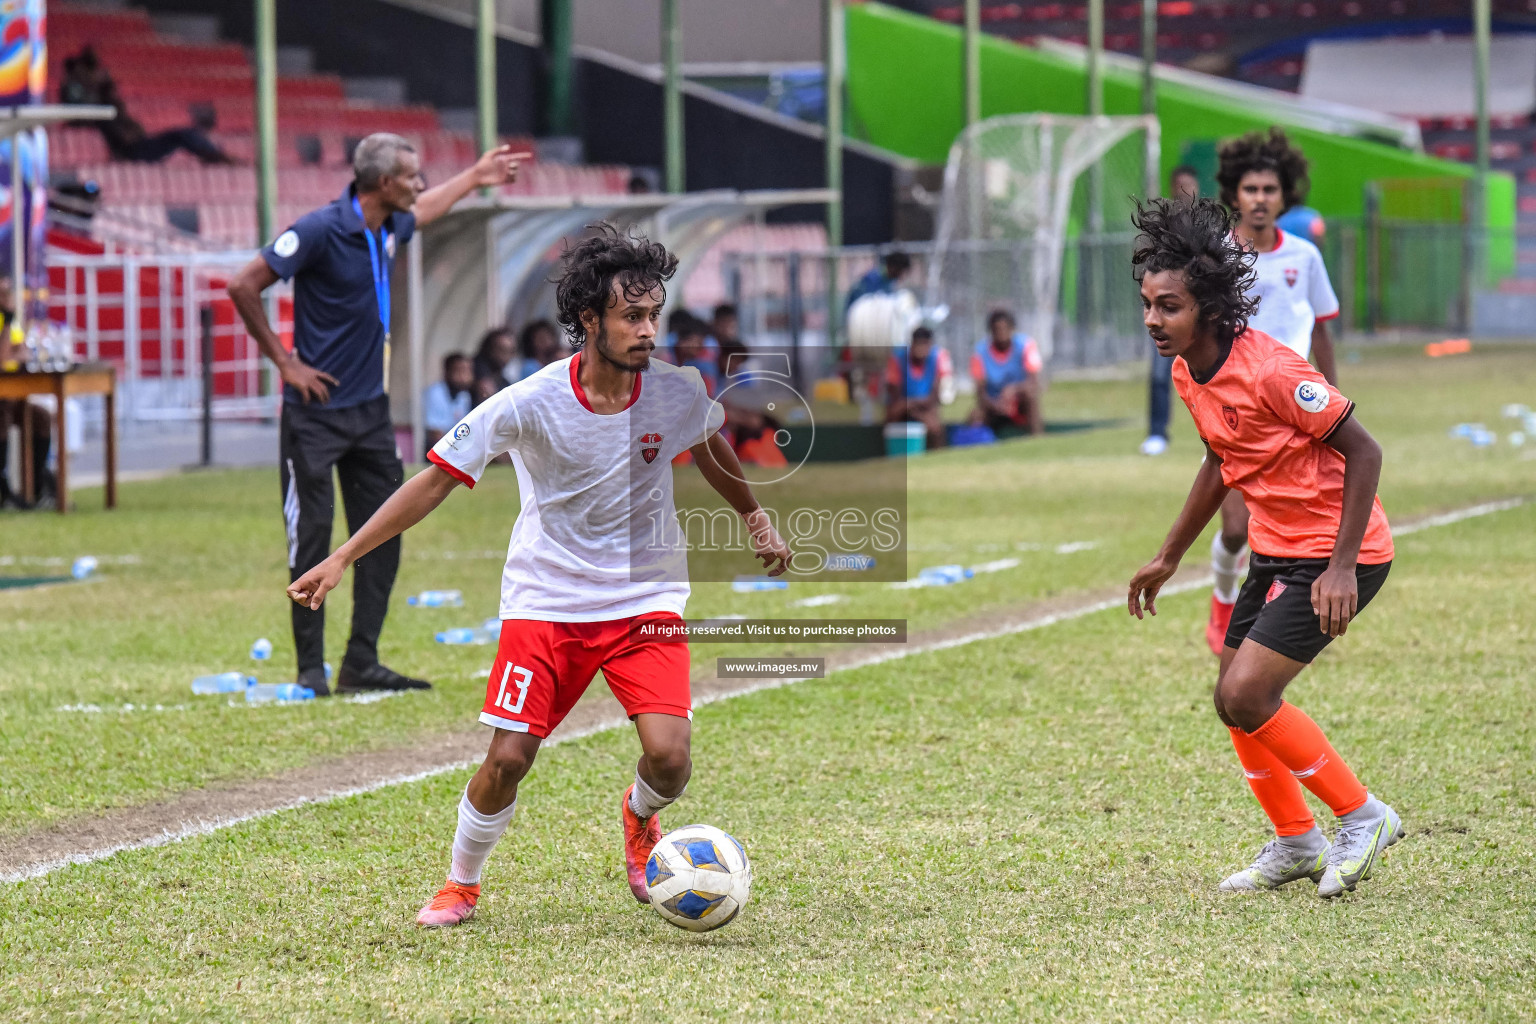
542	669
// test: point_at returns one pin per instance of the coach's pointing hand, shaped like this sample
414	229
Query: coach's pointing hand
310	589
499	166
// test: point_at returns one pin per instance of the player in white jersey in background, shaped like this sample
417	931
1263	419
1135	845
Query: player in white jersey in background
1261	176
597	560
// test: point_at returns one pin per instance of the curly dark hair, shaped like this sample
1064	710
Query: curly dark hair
594	264
1196	240
1263	151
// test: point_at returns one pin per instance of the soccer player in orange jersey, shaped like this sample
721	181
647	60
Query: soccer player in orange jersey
1262	175
1284	438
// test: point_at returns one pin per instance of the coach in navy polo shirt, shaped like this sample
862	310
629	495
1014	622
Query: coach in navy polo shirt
335	411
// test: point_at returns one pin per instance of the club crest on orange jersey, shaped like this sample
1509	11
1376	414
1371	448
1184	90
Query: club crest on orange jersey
650	447
1230	415
1290	276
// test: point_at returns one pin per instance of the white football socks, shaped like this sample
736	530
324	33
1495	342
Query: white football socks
475	839
645	801
1224	564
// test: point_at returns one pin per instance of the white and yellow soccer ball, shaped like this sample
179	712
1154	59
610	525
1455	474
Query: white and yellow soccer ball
699	878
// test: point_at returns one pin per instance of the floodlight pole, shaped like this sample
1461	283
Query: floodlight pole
1095	57
672	95
835	68
266	118
1148	56
972	61
485	74
1481	28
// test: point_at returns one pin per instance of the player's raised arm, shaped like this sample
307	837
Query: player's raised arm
718	463
404	509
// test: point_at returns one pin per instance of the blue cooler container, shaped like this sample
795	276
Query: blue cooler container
904	439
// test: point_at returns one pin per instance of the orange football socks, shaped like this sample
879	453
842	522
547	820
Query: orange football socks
1277	790
1297	742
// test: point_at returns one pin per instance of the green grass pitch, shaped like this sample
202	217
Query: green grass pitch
1026	828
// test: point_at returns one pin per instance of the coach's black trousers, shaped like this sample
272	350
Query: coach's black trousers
359	444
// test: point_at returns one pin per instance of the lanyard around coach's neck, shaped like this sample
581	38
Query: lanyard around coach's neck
378	260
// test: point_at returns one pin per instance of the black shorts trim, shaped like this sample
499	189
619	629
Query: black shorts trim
1274	608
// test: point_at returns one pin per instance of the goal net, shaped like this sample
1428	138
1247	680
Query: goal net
1035	219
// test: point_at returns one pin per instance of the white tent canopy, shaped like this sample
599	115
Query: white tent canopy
492	262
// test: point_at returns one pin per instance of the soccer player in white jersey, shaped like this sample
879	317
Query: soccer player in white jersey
597	559
1261	176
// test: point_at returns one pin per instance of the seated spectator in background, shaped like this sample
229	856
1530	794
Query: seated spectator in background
87	81
540	344
44	487
881	281
726	329
84	78
691	348
496	363
917	381
1006	367
447	401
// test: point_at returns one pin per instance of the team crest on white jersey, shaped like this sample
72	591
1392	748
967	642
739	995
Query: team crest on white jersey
650	447
1291	276
1311	397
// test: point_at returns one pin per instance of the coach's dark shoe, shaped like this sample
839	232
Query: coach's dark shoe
374	678
314	678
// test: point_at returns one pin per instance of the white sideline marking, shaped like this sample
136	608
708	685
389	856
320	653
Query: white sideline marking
121	709
1448	518
203	828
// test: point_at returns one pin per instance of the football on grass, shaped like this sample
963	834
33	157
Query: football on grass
699	878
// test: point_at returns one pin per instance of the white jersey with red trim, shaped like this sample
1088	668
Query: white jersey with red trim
1294	293
597	537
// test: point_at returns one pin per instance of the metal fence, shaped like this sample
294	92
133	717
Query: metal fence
147	315
1389	275
782	297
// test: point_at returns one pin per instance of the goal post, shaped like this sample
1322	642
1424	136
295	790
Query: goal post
1035	218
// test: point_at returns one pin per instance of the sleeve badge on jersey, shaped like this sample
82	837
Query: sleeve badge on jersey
650	447
1291	276
287	243
1311	397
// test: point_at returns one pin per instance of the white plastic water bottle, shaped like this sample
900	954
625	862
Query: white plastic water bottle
944	575
436	599
259	693
467	635
83	567
261	650
224	682
751	584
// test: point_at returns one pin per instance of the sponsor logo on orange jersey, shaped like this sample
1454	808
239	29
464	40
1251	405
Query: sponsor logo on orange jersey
1311	397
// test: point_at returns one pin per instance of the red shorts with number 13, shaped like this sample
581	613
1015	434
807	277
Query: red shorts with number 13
543	668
